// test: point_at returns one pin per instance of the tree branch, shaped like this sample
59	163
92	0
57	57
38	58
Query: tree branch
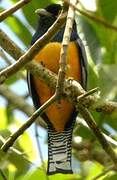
10	141
9	46
86	150
111	168
40	151
17	101
73	91
93	18
13	9
14	154
93	126
63	52
35	48
3	175
70	92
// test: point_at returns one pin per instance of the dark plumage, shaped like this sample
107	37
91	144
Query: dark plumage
59	138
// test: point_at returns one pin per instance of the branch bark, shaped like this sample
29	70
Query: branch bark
35	48
13	9
17	101
93	18
86	150
10	141
91	102
71	93
93	126
63	53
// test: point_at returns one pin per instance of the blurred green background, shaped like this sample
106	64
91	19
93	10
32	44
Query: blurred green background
100	42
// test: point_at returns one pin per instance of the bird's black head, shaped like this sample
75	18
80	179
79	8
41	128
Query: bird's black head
47	17
54	9
51	11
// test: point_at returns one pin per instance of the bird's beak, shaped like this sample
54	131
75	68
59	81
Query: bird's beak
42	12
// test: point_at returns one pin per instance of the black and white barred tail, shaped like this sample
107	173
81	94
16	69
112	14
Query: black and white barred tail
59	151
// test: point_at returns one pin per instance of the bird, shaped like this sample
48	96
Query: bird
59	119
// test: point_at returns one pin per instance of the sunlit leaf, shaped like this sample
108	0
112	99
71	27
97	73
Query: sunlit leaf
110	176
101	45
3	118
40	174
95	169
26	141
11	80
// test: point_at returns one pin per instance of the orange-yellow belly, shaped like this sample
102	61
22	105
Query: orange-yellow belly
50	56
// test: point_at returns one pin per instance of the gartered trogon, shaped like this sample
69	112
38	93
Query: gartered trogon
60	120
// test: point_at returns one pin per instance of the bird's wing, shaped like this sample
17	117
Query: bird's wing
32	90
83	62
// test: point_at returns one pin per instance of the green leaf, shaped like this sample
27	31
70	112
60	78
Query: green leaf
92	169
3	118
92	39
19	29
108	9
106	39
2	154
95	169
13	158
111	120
83	132
26	141
107	80
111	176
40	174
12	79
93	79
20	162
33	175
9	113
29	10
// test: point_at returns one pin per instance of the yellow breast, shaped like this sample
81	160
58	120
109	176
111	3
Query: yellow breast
50	56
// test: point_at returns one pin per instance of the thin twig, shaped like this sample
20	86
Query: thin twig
26	125
35	48
92	91
8	61
94	103
16	154
9	46
108	149
3	55
13	9
96	19
21	104
111	168
85	151
93	126
63	53
39	150
16	100
3	175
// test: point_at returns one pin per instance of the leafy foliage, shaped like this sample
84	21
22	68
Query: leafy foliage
101	45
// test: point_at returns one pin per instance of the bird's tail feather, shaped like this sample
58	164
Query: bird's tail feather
59	151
